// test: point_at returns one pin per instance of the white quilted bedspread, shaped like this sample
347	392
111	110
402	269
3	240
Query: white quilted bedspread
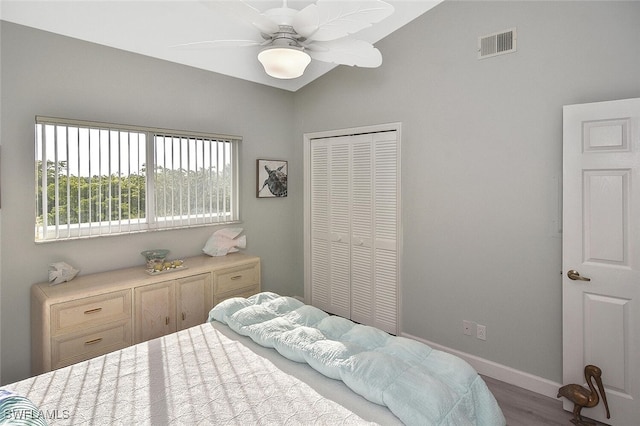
196	376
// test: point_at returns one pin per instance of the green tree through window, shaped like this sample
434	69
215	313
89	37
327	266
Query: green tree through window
95	179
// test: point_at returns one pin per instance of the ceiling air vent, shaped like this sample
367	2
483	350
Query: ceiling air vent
497	44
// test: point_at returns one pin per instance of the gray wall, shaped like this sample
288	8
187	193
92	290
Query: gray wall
482	158
46	74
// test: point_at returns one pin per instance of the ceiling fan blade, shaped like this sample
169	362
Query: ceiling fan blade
330	19
214	44
346	52
307	21
247	13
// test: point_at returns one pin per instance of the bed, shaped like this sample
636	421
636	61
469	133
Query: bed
261	360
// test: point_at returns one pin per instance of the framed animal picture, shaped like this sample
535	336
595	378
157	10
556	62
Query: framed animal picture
271	178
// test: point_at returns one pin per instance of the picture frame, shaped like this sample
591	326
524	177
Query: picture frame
271	178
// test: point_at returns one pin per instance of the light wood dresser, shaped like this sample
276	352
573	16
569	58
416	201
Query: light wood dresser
99	313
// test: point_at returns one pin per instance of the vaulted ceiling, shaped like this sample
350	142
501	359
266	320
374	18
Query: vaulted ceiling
155	27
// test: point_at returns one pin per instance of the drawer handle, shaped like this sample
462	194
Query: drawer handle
237	277
184	316
92	311
94	341
166	320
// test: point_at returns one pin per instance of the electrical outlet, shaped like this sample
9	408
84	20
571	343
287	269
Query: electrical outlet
481	332
466	327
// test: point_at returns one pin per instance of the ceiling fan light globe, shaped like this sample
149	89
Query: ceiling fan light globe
284	62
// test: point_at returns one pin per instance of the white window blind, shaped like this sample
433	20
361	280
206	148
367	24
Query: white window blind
102	179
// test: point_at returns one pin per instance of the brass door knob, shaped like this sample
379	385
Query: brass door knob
575	275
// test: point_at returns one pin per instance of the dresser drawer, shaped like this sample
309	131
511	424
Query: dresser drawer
71	348
90	311
243	292
234	279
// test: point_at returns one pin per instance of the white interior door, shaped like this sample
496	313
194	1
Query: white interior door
601	241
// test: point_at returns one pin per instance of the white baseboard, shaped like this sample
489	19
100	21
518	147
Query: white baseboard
500	372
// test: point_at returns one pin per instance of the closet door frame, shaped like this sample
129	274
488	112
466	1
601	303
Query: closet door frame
307	141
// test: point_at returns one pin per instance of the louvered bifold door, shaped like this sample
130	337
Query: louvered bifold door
354	227
374	223
362	278
386	191
330	257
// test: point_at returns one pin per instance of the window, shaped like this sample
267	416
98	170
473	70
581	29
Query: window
102	179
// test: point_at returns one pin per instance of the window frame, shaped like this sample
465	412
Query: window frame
150	222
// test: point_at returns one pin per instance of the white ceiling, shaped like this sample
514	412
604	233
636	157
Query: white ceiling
154	27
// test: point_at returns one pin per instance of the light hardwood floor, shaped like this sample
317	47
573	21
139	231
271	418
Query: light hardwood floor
525	408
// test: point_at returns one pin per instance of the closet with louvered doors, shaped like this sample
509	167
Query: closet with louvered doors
352	220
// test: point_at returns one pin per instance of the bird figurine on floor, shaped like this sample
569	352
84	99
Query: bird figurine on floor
582	397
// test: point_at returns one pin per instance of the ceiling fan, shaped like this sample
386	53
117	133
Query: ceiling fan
290	38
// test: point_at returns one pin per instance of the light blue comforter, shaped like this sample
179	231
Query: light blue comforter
16	410
420	385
